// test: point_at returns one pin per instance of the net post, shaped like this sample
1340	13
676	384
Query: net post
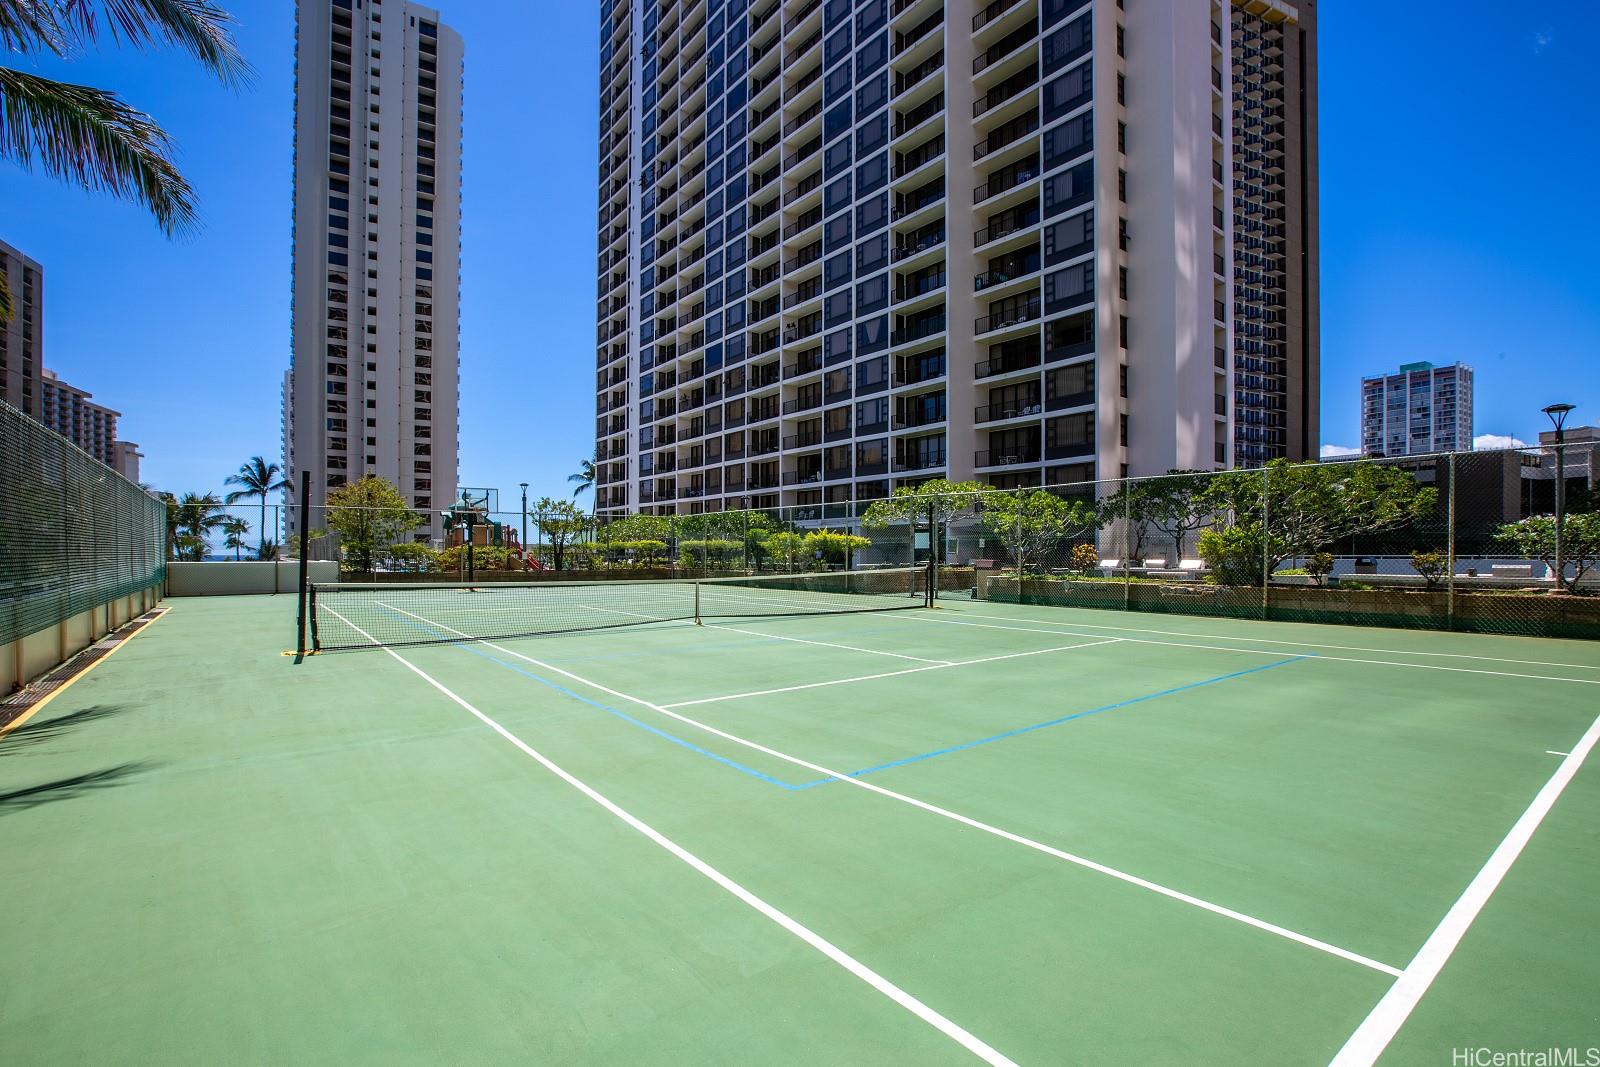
305	566
1266	543
1450	547
697	619
1127	544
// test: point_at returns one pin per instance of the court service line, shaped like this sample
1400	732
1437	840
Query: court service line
1308	644
937	665
830	644
1378	1029
919	617
866	974
934	809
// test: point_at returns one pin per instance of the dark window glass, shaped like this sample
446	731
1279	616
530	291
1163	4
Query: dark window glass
1070	42
1068	141
872	135
837	84
872	335
872	254
1069	238
837	158
836	271
836	233
872	214
873	53
1069	92
836	346
1069	287
836	309
871	16
873	94
872	294
1067	189
837	46
836	195
872	174
1053	11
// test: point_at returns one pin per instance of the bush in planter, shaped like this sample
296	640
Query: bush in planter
1083	558
1319	565
1233	554
1430	565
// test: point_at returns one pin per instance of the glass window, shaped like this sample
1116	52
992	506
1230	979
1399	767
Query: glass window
873	213
870	16
836	233
836	160
873	94
1070	42
873	53
1070	237
872	174
1068	287
873	294
837	46
1068	141
1068	189
836	346
836	270
872	254
872	335
872	135
836	309
1069	92
836	195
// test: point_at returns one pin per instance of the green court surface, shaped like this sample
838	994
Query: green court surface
923	836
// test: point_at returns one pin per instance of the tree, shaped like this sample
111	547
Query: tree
1431	565
233	531
90	136
190	520
559	522
584	478
1030	523
1291	510
786	547
256	478
369	516
1177	505
833	547
936	501
1535	538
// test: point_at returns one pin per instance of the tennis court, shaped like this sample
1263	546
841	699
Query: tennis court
980	831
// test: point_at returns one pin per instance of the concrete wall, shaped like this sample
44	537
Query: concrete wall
32	655
246	577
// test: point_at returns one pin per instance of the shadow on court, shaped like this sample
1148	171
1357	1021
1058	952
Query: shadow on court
39	731
18	800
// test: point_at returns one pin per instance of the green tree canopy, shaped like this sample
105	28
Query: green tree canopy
1031	523
1535	537
368	515
560	523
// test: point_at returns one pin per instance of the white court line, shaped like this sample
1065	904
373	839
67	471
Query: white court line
1320	657
830	644
1304	644
872	978
1026	842
1553	752
1385	1020
886	674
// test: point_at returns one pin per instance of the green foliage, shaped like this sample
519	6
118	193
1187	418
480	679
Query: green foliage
1535	537
1319	565
1175	503
190	520
1233	554
453	560
409	556
786	548
1083	558
233	531
710	553
256	479
1431	565
834	546
938	498
1031	523
560	523
368	515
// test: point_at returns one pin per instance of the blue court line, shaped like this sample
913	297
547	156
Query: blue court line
793	787
608	709
1054	722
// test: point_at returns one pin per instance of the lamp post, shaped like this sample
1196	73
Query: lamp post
524	518
1558	417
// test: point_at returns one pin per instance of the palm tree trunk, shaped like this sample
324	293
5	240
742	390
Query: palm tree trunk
261	531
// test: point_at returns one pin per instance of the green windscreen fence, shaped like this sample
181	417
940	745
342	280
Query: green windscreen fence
74	534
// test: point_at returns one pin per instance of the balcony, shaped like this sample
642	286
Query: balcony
1008	359
1007	457
914	370
1007	409
1013	315
918	329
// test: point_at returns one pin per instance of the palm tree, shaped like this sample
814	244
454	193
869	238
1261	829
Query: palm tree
233	530
90	136
256	478
191	518
584	477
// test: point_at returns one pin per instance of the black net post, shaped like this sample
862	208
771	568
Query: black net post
305	563
1450	546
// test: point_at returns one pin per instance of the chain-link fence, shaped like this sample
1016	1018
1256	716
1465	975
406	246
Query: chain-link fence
75	535
1463	541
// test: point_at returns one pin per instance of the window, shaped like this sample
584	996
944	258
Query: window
872	254
1122	331
1068	287
1122	136
836	271
1072	335
836	233
1071	42
1122	185
872	335
872	174
873	294
1069	140
1069	387
872	214
1122	282
1122	41
872	135
1122	89
1069	238
1068	189
836	309
1069	92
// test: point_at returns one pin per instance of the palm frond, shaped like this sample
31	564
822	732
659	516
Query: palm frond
91	137
31	26
199	27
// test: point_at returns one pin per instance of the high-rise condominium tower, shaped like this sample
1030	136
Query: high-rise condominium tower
22	335
852	244
1417	410
377	251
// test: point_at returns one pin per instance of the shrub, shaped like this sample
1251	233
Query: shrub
1430	565
1083	558
1233	554
1319	565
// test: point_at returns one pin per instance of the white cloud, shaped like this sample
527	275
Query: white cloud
1486	442
1339	451
1541	41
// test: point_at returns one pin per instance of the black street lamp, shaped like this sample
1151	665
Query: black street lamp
524	518
1558	417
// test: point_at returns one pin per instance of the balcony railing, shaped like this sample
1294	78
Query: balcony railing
918	329
1006	457
1012	316
1006	409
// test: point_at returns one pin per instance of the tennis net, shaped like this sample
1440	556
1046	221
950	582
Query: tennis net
369	615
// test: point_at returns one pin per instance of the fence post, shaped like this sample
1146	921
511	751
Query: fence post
1266	543
1450	548
1127	544
305	566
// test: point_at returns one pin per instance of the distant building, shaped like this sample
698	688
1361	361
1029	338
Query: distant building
22	336
68	411
128	457
1418	410
372	387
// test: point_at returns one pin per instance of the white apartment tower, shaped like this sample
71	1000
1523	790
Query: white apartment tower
1418	410
372	388
846	245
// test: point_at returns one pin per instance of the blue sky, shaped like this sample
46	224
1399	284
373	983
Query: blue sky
1459	150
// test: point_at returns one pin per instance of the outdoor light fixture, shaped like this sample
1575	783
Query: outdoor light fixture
1558	417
